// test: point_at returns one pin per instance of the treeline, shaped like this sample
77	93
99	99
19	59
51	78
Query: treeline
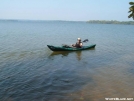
111	22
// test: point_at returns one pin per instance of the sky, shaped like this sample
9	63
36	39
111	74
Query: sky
69	10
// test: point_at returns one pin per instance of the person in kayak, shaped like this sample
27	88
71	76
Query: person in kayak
78	43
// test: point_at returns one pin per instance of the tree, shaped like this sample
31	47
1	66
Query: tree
131	10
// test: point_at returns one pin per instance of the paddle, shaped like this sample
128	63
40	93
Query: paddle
67	46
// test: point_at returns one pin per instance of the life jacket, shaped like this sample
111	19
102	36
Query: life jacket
78	44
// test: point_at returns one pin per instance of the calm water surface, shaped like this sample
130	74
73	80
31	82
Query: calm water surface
29	71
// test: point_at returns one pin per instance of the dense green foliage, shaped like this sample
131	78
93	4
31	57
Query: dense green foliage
111	22
131	10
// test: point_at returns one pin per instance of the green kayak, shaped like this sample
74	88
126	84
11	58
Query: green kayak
57	48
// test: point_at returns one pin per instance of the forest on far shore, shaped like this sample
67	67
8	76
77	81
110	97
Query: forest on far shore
111	22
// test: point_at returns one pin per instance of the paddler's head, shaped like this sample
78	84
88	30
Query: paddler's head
78	39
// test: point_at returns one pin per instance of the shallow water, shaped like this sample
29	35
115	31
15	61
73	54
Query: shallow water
29	71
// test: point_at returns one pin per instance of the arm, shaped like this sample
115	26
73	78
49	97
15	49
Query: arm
81	44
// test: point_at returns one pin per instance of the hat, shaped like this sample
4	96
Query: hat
78	39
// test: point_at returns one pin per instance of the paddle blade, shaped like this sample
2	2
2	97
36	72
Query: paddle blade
86	40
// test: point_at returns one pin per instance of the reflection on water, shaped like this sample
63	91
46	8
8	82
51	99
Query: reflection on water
63	53
66	53
78	55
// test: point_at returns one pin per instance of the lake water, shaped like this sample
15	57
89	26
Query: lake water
29	71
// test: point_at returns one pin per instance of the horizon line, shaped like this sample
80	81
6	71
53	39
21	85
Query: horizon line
56	20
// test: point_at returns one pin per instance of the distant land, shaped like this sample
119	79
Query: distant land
90	21
111	22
